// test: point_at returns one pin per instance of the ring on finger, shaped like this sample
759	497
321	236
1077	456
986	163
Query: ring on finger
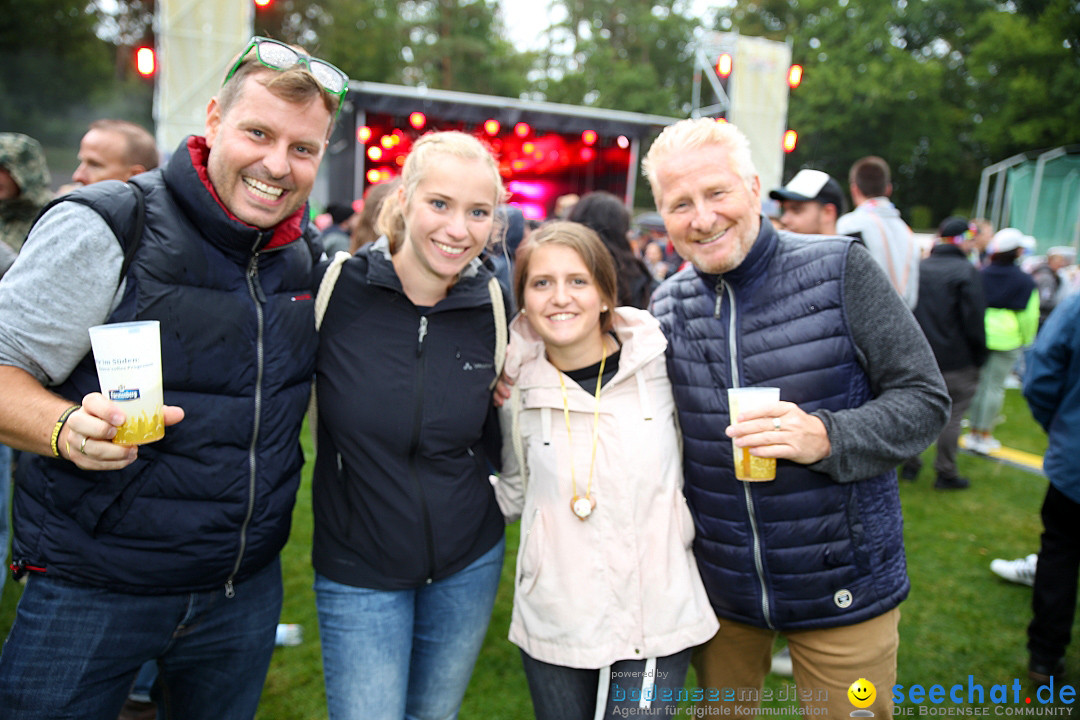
82	445
776	423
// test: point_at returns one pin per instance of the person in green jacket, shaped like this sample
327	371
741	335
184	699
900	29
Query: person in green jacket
1012	319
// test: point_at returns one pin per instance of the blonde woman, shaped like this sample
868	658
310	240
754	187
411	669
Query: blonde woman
408	543
608	601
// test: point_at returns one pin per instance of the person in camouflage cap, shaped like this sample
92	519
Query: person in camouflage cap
24	190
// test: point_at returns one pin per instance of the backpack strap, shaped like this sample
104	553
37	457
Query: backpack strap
135	232
498	308
322	299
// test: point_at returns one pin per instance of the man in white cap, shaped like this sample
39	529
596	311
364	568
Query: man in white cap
810	203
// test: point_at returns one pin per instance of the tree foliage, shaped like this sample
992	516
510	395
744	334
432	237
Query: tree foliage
940	88
633	55
50	61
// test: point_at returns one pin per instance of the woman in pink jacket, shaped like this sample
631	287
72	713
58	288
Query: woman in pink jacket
608	602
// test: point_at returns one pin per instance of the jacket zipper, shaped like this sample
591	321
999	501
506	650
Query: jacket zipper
736	381
418	415
257	294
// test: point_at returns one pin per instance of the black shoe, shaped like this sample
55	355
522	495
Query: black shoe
1041	671
951	483
135	710
910	470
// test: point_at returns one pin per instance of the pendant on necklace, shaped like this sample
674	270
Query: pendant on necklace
583	506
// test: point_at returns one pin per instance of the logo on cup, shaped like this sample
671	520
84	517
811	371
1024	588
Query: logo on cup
122	394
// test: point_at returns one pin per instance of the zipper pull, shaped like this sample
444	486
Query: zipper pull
421	335
719	298
253	276
229	591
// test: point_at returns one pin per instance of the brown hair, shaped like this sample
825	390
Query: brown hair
141	149
294	85
587	244
391	219
871	175
364	230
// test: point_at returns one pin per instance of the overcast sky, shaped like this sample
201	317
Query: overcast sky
527	19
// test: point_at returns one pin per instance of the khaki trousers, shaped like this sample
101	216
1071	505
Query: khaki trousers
732	666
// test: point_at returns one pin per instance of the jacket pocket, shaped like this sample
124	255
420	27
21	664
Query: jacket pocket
531	556
98	505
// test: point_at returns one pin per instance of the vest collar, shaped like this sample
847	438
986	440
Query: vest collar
754	263
189	182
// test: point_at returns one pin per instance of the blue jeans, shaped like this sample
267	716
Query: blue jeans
561	692
74	650
393	654
5	506
990	394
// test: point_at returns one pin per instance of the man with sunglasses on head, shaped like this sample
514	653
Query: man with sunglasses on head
167	551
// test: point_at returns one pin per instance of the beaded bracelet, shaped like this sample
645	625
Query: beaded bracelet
60	426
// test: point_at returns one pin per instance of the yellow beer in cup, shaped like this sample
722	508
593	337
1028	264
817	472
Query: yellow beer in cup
748	467
128	360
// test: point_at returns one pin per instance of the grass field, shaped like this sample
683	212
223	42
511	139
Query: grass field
960	619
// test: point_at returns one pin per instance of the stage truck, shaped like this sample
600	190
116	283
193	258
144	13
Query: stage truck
544	149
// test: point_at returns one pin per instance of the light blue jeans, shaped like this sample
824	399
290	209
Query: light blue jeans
393	654
990	395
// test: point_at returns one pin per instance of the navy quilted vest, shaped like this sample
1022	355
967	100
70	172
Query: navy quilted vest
212	501
802	551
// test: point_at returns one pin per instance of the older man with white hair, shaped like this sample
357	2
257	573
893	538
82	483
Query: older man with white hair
818	553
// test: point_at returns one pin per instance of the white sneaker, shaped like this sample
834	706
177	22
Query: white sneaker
289	635
1020	570
781	662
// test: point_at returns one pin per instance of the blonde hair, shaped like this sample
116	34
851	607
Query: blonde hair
697	133
587	244
391	220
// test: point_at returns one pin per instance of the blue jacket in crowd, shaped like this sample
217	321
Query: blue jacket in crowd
1052	390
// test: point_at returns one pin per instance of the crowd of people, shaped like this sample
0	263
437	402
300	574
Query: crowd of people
465	370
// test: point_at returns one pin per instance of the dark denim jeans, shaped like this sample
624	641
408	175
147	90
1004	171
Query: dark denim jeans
565	693
74	650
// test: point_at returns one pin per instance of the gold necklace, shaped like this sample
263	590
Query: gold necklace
582	506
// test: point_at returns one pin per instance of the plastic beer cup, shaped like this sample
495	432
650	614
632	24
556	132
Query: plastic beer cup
128	359
748	467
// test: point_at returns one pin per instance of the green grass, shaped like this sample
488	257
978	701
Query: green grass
960	619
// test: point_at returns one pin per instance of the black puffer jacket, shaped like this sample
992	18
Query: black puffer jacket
211	503
951	308
400	491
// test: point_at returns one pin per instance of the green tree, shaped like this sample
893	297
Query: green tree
51	61
460	45
1027	71
880	79
633	55
365	38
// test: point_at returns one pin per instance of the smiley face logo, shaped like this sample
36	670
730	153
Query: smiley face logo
862	693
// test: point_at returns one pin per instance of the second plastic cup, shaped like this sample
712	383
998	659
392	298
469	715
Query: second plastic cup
748	467
128	359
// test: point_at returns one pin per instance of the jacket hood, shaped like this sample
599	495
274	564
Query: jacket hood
880	206
24	160
635	329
